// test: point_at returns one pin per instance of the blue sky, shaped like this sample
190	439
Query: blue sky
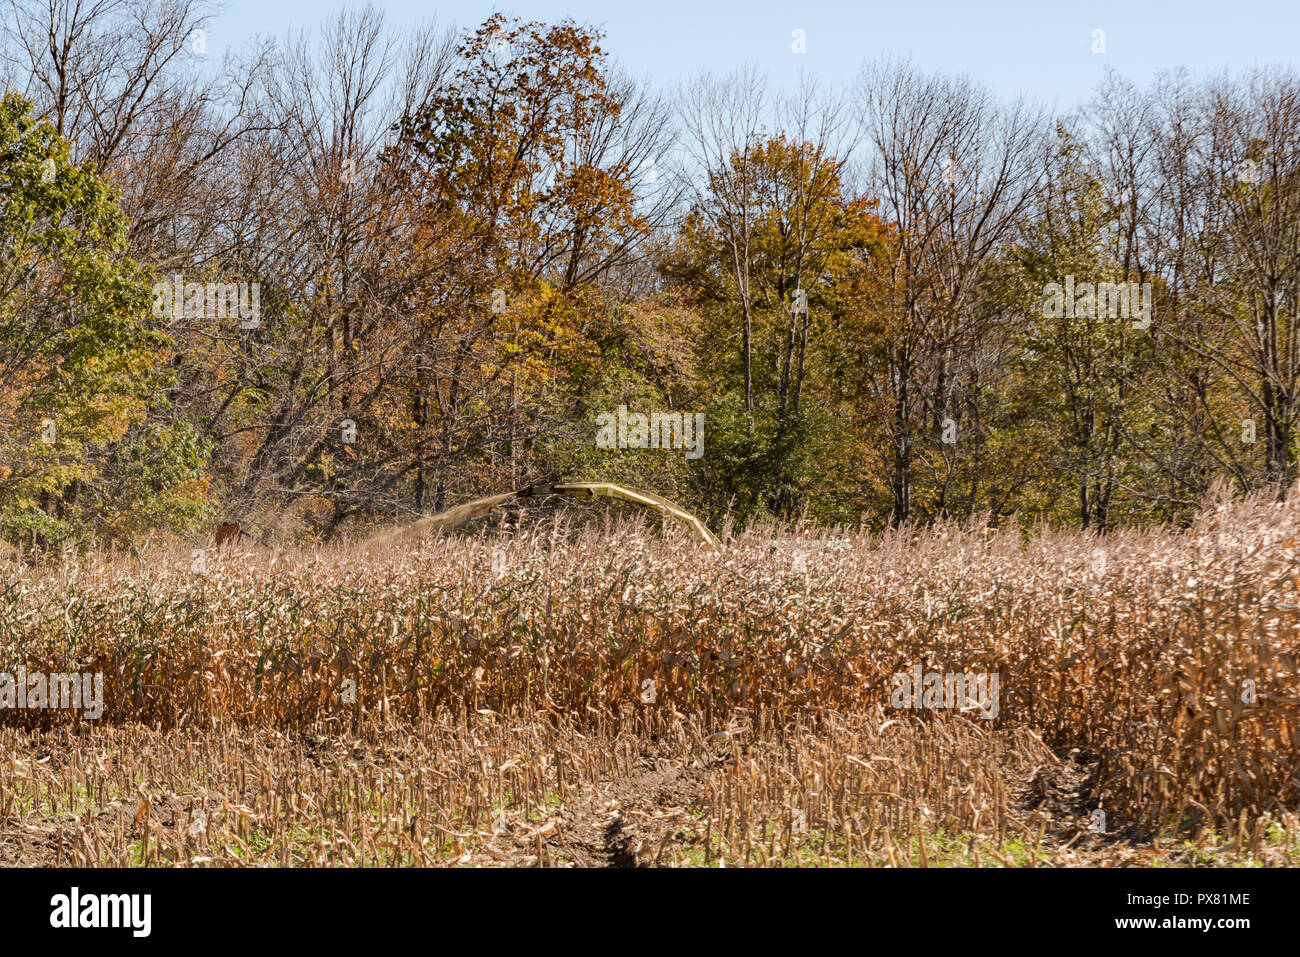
1043	49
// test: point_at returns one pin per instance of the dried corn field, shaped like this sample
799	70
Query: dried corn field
621	697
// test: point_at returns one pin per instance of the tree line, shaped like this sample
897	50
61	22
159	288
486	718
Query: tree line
360	275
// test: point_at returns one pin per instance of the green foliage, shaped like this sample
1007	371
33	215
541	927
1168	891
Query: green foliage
82	374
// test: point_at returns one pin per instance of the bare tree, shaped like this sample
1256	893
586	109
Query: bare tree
306	216
723	120
954	172
120	79
824	140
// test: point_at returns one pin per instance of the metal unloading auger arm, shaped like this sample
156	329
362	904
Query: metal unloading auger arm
644	499
478	508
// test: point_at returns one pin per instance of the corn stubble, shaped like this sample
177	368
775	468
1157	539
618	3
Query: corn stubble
615	696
